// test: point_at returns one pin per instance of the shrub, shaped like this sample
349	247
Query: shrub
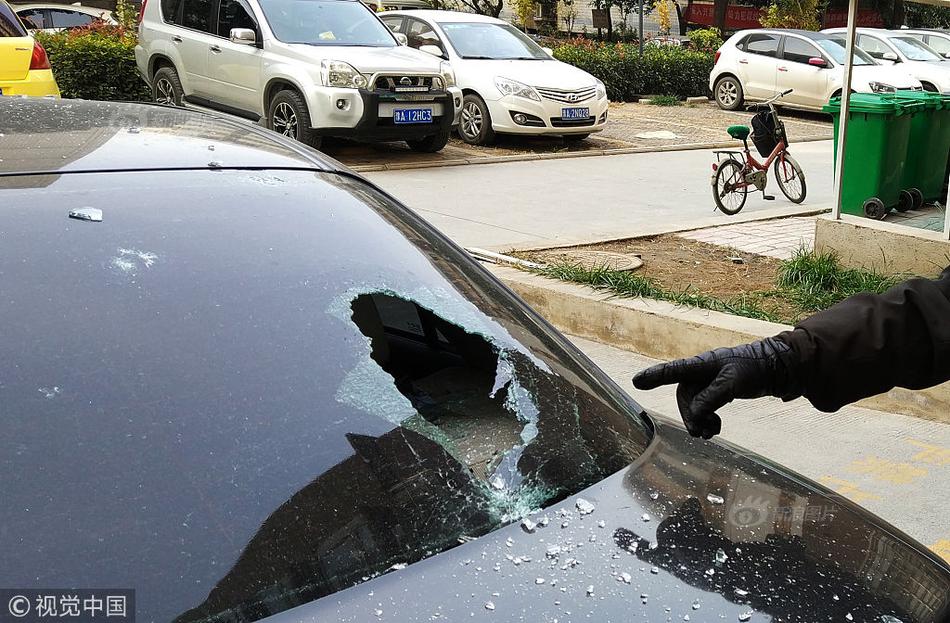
670	70
664	100
706	39
96	62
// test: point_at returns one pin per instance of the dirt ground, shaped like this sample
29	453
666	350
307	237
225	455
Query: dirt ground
679	264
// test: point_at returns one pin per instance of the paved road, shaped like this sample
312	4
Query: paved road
522	204
894	465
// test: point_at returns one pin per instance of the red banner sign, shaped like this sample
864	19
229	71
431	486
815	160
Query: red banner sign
739	17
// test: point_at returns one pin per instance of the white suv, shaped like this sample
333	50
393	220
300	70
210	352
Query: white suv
308	68
758	64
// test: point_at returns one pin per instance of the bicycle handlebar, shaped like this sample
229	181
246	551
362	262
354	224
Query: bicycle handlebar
769	101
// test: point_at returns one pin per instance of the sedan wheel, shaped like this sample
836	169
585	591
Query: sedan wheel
728	93
475	121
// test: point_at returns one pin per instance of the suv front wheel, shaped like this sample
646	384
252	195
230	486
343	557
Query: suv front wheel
166	87
728	93
288	115
430	144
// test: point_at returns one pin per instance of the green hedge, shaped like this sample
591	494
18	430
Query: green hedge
663	70
96	63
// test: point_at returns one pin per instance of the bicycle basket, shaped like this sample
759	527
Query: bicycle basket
766	132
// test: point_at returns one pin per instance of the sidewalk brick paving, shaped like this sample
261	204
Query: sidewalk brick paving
779	238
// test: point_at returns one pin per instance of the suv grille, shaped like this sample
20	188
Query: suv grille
408	84
567	97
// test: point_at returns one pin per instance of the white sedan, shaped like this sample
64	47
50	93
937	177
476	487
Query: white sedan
51	17
511	84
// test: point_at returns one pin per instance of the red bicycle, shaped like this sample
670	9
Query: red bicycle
735	172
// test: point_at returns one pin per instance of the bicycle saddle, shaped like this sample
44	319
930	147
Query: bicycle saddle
740	132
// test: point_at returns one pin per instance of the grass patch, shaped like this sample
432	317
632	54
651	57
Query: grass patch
665	100
807	283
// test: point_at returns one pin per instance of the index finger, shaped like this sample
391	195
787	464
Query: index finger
682	370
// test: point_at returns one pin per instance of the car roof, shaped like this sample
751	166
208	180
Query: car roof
808	34
63	136
65	7
447	16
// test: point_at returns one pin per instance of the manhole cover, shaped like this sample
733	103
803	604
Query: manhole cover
605	259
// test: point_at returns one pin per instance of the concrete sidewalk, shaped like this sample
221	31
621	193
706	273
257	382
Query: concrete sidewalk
894	465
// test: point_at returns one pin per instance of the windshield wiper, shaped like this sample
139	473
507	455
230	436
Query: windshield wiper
482	58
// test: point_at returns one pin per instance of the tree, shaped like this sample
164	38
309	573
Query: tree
523	9
664	16
568	16
792	14
926	16
492	8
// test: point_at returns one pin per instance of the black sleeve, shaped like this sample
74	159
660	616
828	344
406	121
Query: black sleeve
868	344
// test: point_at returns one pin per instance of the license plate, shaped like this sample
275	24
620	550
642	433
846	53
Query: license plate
575	113
413	115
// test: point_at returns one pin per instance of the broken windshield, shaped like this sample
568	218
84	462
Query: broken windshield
299	386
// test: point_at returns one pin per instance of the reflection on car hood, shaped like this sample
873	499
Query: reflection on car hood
694	529
370	60
60	136
551	73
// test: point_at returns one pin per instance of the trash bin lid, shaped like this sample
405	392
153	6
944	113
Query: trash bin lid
875	103
927	98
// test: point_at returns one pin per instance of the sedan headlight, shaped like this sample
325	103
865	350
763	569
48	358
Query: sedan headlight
513	87
881	87
340	74
448	76
601	90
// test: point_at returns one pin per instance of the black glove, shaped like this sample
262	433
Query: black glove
708	381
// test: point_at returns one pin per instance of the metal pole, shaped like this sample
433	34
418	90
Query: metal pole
640	28
946	220
845	106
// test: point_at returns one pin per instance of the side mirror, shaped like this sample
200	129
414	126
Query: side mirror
548	51
401	38
890	56
817	61
243	36
434	50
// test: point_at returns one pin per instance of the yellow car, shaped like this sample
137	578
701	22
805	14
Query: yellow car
24	66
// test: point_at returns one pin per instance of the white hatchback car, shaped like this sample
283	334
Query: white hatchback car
938	40
50	17
755	65
307	68
897	47
511	84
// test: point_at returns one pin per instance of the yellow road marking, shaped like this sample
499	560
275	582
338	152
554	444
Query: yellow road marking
847	489
935	455
888	471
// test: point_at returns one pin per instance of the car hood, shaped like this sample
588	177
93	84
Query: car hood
892	75
693	530
370	60
551	73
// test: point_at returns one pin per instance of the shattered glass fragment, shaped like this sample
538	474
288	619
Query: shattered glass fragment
745	616
528	525
489	605
721	556
714	499
584	507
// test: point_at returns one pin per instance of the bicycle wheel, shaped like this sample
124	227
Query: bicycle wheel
790	178
729	189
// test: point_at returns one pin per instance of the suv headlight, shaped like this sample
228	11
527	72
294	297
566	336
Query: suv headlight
340	74
881	87
601	90
448	76
513	87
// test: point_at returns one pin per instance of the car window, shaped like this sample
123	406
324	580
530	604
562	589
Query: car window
491	41
10	25
196	14
69	19
420	33
873	46
763	44
915	50
326	22
232	14
939	44
328	392
171	11
799	51
835	48
393	23
33	18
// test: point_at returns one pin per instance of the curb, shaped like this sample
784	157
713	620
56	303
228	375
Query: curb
615	151
666	331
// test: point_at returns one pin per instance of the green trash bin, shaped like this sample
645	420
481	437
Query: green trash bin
927	149
878	134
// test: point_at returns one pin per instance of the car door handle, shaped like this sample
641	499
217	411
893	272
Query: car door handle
215	48
176	39
783	68
743	61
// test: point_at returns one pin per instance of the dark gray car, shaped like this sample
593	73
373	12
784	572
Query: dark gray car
246	383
